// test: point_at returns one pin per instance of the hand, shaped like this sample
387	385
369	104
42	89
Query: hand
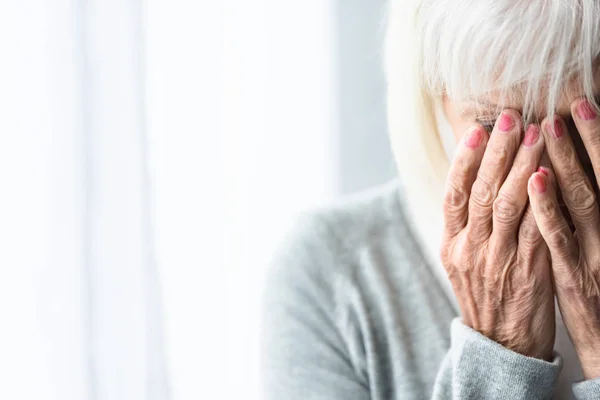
575	255
492	249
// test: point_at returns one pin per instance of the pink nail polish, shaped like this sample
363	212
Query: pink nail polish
539	183
531	135
586	111
554	128
506	122
474	138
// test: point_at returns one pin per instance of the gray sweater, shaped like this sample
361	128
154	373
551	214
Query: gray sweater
352	312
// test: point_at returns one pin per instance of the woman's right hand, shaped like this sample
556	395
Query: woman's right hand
492	250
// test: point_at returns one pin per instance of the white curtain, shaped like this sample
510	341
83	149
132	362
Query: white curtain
243	131
152	154
79	303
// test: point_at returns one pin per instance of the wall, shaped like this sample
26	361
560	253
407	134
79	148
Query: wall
365	156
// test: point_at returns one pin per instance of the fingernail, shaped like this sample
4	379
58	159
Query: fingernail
544	171
554	128
531	135
539	183
474	138
586	111
506	122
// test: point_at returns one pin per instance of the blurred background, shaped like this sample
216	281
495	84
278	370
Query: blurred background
152	155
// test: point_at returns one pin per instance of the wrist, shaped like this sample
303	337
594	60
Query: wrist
591	366
541	348
590	372
544	354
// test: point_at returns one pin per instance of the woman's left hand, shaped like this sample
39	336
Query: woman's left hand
575	255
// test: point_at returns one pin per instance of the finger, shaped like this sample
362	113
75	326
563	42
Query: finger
551	223
575	187
461	176
496	163
529	236
588	126
546	163
511	201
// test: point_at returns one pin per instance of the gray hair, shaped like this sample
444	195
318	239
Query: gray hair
523	49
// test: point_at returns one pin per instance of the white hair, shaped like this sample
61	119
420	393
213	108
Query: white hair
522	50
525	51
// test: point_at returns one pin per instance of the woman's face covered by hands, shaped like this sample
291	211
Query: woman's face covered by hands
461	115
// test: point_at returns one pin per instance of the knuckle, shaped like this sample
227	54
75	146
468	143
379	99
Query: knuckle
529	233
455	197
483	193
583	199
459	257
549	210
477	230
558	239
463	264
505	210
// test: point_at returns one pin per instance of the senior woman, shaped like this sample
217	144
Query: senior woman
476	275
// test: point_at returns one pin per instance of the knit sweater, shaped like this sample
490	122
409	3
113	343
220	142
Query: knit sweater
353	311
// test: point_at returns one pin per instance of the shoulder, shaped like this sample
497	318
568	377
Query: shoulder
330	237
321	270
339	276
342	243
311	305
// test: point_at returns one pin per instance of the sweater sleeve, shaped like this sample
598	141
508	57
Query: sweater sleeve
303	354
476	367
587	390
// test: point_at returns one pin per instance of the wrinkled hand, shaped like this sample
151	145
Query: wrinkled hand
575	256
492	249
